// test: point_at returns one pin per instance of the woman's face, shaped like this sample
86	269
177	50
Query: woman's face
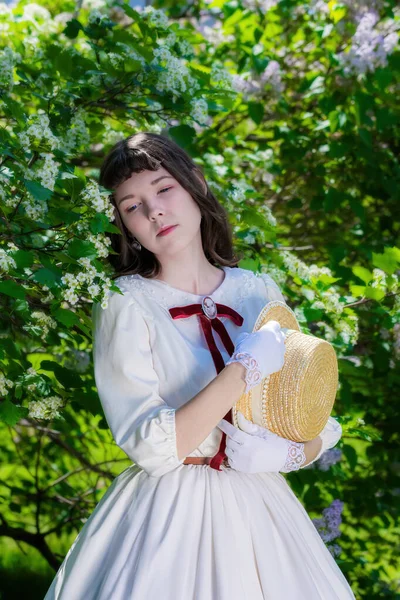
150	200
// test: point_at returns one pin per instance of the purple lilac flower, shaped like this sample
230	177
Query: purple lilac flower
328	524
329	458
335	549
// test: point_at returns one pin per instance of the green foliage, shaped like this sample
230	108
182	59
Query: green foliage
302	150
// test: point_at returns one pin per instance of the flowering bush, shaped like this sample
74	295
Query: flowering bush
289	108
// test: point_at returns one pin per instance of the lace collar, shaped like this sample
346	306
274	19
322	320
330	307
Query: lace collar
236	286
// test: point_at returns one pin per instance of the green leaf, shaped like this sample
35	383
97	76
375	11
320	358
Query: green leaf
80	248
10	288
67	378
389	261
351	455
37	190
374	293
73	28
357	290
183	135
23	258
256	112
45	277
66	317
99	223
365	275
11	413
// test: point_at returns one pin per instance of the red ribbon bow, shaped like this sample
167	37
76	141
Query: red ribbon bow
209	321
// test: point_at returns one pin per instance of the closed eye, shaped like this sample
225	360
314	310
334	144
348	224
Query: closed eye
162	190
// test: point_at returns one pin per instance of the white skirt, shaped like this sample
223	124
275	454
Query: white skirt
199	534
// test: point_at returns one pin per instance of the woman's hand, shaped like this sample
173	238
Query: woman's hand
254	449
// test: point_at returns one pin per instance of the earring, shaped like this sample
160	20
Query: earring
137	245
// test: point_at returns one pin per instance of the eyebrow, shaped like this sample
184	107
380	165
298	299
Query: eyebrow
151	182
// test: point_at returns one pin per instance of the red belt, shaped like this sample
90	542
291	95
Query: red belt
200	460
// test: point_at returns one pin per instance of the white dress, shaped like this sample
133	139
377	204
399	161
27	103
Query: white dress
168	531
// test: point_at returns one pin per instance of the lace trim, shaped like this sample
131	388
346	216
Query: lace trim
295	458
253	373
167	297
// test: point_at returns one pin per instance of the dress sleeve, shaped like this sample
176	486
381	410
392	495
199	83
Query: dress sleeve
141	422
272	288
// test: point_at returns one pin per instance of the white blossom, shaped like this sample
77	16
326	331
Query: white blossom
38	130
156	17
199	111
98	199
77	134
8	60
4	384
47	408
47	172
6	261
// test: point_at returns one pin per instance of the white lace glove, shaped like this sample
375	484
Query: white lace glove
261	352
254	449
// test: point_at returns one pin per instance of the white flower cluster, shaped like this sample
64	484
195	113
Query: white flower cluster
370	46
233	157
98	200
47	172
6	261
4	384
265	210
273	76
156	17
34	209
8	60
199	111
49	296
176	77
221	76
43	321
278	275
47	408
380	281
238	193
185	47
216	162
248	84
85	277
297	266
96	17
77	134
249	238
263	5
111	135
127	53
101	242
347	330
38	130
34	11
329	301
211	29
33	50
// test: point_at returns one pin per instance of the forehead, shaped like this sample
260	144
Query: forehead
140	180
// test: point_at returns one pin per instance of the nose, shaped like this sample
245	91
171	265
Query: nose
154	209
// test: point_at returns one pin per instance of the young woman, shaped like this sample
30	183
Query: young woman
204	512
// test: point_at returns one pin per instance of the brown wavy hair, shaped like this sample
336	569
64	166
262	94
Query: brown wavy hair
149	151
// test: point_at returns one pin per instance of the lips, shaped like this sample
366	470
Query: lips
164	231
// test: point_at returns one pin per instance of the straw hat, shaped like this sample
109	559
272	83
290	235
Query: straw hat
296	401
